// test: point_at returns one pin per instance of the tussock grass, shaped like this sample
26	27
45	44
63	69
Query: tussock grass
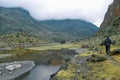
104	70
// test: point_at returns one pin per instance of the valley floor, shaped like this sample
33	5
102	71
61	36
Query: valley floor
90	64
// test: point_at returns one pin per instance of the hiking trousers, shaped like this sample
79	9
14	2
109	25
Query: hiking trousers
107	49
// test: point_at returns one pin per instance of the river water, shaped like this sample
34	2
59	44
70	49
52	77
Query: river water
42	72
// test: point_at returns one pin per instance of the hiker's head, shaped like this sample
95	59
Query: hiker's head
108	37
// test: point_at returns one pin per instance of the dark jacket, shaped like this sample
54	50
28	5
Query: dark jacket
107	42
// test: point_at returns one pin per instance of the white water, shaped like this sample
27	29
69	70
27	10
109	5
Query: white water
42	72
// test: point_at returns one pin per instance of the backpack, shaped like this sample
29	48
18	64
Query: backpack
107	42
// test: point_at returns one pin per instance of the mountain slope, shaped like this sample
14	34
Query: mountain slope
18	20
77	29
14	20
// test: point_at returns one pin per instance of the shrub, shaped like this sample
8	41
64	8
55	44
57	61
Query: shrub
116	51
67	57
96	58
85	46
62	41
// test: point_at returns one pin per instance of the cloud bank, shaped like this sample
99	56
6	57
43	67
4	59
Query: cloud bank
89	10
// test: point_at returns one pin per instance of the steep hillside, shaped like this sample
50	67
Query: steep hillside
15	20
111	23
77	29
18	20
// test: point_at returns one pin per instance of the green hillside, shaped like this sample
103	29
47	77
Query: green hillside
18	20
15	20
77	29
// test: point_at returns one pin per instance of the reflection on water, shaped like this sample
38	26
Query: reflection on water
42	72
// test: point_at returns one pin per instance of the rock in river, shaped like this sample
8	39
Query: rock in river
10	71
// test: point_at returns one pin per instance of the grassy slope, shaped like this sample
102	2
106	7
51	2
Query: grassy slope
105	70
91	71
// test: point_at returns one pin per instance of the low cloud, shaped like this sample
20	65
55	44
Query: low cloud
89	10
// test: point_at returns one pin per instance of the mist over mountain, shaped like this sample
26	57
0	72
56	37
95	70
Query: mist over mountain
18	20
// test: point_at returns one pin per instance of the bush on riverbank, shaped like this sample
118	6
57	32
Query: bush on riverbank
68	57
96	58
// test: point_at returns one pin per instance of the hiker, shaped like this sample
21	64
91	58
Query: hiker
107	44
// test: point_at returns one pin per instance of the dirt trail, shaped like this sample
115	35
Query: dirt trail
80	59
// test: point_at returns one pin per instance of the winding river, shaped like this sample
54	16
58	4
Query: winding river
42	72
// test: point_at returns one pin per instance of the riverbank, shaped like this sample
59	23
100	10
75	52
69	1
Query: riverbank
91	65
44	72
81	60
42	57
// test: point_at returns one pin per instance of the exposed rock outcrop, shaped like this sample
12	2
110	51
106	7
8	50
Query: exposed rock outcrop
13	70
111	23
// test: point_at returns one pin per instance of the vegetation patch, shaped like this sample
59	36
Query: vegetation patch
104	70
116	51
88	53
56	46
12	39
96	58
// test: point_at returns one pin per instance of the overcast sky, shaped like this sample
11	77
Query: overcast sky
89	10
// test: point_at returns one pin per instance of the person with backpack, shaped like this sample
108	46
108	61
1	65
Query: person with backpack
107	44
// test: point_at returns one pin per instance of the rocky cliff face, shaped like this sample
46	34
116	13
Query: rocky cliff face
111	23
